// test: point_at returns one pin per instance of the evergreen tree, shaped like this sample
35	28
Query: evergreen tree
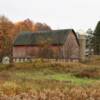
97	39
89	41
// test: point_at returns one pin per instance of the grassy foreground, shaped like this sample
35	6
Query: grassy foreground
50	81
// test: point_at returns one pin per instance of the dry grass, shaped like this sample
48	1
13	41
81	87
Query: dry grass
44	80
72	93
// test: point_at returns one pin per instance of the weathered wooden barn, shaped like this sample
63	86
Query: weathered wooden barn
55	44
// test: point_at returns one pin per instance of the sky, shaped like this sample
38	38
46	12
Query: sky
59	14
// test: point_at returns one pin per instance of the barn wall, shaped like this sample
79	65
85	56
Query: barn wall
70	49
33	51
24	51
56	51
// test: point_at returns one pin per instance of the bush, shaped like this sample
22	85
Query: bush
89	72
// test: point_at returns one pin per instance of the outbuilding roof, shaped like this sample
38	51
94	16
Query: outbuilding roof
54	37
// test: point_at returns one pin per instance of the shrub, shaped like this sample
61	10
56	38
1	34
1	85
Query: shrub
90	72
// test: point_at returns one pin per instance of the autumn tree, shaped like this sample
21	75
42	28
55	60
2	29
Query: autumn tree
5	25
30	26
5	29
41	27
25	25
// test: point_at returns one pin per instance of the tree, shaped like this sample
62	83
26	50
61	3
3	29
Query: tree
89	41
97	39
25	25
41	27
5	25
28	25
5	42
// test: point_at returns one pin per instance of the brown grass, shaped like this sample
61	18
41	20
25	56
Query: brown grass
72	93
51	89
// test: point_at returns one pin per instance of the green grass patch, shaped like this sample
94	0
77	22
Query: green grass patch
42	75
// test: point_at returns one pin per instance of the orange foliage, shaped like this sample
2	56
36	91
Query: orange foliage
28	25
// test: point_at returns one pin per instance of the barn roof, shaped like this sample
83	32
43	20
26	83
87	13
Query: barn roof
55	37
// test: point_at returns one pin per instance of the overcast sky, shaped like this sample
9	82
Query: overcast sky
77	14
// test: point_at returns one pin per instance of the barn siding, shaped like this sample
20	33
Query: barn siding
70	49
25	51
32	51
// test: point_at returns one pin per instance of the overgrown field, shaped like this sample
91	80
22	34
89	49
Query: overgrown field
43	80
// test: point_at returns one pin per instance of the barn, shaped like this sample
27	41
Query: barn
55	44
